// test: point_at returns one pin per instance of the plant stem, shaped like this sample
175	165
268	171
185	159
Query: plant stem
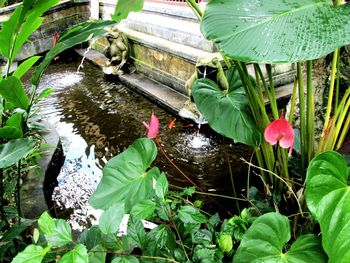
337	84
232	182
2	213
331	91
310	108
294	98
211	194
273	101
198	12
303	131
177	231
18	192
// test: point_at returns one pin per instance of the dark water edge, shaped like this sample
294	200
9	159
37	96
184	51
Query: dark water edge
98	119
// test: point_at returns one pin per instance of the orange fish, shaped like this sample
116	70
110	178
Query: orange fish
172	123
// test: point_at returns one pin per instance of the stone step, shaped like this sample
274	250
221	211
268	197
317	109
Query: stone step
174	29
165	61
174	23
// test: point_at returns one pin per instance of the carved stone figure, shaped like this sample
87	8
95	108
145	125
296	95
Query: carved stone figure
117	52
207	67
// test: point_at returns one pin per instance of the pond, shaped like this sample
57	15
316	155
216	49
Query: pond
97	119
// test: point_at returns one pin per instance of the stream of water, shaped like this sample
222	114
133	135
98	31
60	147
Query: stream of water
97	119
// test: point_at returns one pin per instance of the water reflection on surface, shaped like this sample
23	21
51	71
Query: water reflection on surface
97	119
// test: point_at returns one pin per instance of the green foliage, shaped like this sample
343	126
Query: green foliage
227	112
128	174
328	199
57	232
12	90
77	255
13	151
124	7
32	254
266	239
276	32
111	218
25	66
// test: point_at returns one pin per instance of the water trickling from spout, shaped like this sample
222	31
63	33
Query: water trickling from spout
92	42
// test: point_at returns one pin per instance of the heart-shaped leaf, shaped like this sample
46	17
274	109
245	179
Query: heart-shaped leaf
266	238
125	177
227	112
328	199
276	31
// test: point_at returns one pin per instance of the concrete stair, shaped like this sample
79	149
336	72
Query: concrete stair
166	43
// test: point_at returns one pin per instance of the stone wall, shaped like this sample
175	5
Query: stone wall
61	17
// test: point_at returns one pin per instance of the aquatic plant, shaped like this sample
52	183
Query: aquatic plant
259	32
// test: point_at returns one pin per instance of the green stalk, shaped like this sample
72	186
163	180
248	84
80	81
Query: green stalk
294	98
303	131
343	133
331	91
2	213
337	84
310	111
266	89
198	12
258	82
18	192
256	104
340	114
273	101
232	182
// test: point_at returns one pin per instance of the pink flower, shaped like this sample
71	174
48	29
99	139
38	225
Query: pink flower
280	131
152	127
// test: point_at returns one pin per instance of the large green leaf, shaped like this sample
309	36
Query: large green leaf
266	238
32	254
10	133
12	90
77	255
328	198
276	31
25	66
76	35
125	177
57	231
13	151
8	31
22	23
124	7
227	112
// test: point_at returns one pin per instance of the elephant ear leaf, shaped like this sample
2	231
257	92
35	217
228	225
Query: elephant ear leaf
328	199
268	31
266	239
227	112
126	178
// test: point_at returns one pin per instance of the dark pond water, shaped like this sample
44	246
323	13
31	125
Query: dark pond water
97	119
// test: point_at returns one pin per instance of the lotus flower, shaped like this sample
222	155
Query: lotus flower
152	127
280	131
